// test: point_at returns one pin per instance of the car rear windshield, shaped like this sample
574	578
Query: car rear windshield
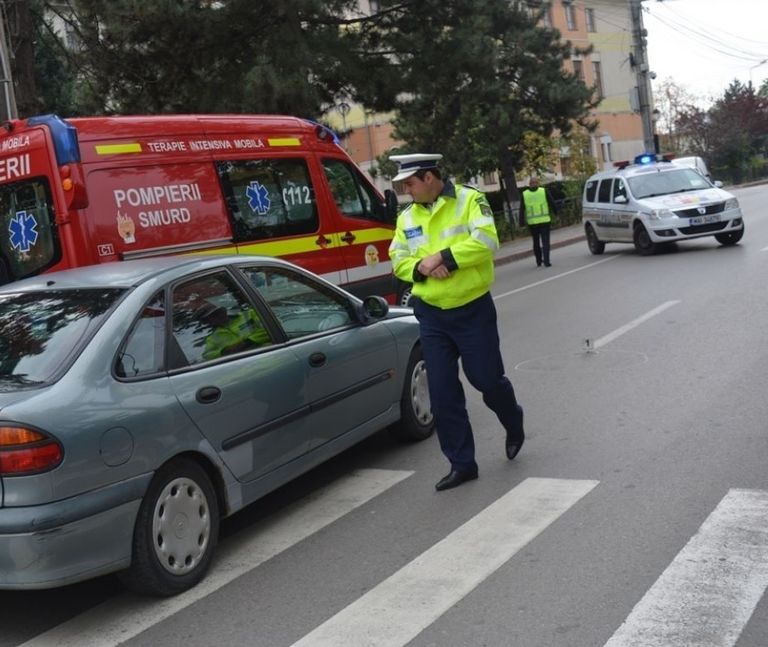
39	331
656	183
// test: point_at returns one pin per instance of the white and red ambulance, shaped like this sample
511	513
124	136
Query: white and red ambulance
83	191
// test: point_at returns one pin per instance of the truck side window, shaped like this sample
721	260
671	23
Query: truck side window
269	198
29	244
353	195
604	192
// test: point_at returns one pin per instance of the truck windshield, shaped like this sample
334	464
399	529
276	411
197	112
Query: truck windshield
28	242
654	183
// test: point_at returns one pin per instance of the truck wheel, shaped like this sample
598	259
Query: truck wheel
642	239
176	531
416	419
730	237
596	246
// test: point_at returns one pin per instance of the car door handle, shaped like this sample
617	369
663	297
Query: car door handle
208	395
317	359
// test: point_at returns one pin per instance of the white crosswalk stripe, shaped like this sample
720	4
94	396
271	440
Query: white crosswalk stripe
708	593
395	611
124	617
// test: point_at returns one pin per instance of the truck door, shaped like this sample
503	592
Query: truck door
363	229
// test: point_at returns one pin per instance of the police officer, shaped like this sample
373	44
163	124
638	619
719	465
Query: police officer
536	211
443	245
243	332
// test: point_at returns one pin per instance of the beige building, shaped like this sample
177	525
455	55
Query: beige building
612	67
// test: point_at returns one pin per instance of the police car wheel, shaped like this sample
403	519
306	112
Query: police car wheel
730	237
643	243
176	531
596	246
416	419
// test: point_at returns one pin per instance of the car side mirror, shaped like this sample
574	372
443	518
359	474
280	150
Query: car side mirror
620	199
718	184
374	308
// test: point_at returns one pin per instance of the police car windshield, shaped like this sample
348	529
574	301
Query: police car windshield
649	185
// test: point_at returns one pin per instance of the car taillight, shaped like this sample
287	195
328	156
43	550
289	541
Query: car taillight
27	451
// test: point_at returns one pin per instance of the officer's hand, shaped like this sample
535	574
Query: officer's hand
440	272
428	264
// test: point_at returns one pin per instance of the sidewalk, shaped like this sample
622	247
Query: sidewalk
519	248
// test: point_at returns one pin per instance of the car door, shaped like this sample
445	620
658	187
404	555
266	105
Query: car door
248	399
349	366
604	209
621	213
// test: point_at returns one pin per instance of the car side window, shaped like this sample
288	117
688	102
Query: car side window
619	190
354	197
604	192
302	306
269	198
143	352
213	318
590	191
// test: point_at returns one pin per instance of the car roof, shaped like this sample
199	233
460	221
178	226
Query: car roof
126	274
636	169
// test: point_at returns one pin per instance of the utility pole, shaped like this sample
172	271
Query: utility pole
8	104
643	74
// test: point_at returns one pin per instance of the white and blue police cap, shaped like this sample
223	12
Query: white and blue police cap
410	164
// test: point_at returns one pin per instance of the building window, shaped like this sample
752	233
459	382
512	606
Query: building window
490	178
578	69
570	16
589	15
375	6
546	19
597	78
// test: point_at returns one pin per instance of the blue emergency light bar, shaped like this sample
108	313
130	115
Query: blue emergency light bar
645	158
64	137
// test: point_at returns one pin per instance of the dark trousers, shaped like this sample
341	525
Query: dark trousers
540	236
469	332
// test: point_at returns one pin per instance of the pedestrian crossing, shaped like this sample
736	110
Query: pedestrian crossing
704	598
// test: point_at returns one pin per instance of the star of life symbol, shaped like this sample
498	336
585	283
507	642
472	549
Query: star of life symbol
23	230
258	197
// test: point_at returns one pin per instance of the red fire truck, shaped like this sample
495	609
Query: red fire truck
89	190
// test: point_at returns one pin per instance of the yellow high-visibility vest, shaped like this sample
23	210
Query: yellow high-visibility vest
464	224
536	206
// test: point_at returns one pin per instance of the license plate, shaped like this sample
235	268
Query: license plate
704	220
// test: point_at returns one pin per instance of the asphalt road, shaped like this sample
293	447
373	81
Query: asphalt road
636	514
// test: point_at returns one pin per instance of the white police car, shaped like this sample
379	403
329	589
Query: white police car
652	202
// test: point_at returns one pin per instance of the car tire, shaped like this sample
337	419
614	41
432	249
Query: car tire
596	246
416	420
730	237
180	500
404	297
642	239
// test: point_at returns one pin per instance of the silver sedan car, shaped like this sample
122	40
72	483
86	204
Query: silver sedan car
141	402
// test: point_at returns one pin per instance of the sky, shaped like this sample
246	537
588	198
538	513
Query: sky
704	44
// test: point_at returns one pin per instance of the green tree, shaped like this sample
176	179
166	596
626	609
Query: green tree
539	154
475	76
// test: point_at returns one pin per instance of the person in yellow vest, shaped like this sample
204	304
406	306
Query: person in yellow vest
444	244
243	332
536	211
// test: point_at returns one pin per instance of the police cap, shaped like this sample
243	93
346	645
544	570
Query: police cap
410	164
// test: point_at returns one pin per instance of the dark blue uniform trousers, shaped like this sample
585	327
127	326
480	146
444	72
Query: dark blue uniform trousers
469	332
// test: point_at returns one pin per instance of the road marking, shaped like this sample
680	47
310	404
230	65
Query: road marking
121	618
633	324
403	605
707	594
552	278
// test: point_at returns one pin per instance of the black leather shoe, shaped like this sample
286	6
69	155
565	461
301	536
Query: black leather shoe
515	442
547	264
454	479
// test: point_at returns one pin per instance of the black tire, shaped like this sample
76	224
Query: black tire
596	246
642	239
180	500
416	420
730	237
404	297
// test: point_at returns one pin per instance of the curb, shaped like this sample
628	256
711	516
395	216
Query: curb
516	256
